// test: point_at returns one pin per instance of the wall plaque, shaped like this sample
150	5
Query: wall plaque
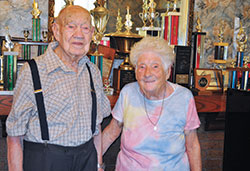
181	68
122	77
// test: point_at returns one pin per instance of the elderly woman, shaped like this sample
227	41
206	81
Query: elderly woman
158	119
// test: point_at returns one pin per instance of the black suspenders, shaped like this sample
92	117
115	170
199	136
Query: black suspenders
40	101
94	105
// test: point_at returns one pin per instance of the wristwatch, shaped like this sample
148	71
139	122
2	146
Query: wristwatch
101	166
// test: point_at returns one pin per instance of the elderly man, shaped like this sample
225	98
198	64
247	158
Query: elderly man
60	122
158	119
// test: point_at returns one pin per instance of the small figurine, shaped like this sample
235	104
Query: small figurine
128	22
35	12
221	33
8	43
198	26
241	39
119	23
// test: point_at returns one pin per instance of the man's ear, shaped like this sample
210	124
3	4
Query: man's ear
55	29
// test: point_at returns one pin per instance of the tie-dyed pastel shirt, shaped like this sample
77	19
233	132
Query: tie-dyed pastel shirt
146	149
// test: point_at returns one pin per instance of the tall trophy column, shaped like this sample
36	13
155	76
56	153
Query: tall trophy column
198	45
36	30
242	61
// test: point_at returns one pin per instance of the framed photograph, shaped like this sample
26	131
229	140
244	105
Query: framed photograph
208	79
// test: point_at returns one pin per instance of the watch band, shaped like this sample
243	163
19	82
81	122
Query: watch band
101	166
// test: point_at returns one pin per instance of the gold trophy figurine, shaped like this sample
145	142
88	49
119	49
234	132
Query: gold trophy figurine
35	12
241	39
128	23
198	26
221	34
119	23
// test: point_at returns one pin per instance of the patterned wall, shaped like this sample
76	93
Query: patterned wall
217	13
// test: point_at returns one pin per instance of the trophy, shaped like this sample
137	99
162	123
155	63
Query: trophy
36	34
221	48
101	17
123	42
241	61
144	14
152	15
241	40
10	64
198	45
170	21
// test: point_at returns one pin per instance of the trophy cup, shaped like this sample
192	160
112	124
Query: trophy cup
101	17
152	15
45	35
36	33
144	14
26	34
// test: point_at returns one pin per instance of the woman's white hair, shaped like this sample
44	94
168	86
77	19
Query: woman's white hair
155	45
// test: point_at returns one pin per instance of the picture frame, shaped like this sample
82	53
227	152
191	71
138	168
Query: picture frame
208	79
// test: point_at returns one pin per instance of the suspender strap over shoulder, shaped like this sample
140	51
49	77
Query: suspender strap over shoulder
39	99
94	104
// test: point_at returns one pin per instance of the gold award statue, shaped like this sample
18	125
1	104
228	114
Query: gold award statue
35	12
241	39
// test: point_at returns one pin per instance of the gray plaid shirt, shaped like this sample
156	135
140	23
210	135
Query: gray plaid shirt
67	99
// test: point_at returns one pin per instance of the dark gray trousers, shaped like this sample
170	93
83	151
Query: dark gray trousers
41	157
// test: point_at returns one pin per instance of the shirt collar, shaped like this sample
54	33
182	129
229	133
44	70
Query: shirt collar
55	62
